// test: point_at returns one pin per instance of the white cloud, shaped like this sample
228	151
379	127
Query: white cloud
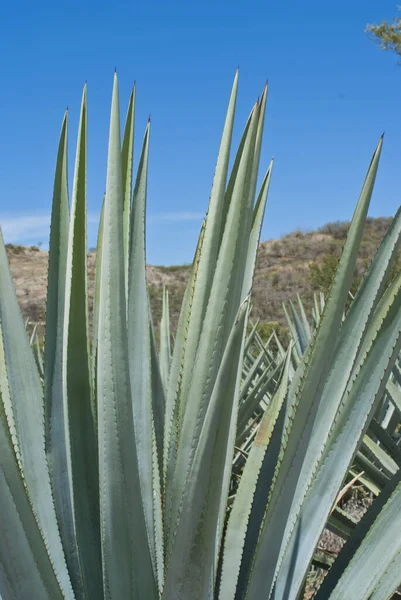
16	228
21	228
24	228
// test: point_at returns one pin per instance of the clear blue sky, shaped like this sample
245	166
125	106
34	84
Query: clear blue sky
331	95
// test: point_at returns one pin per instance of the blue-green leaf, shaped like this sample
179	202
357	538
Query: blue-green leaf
127	564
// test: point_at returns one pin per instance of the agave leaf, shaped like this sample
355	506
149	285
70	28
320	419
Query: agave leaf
177	392
158	397
158	406
6	405
258	214
139	345
165	350
33	335
56	446
211	346
302	333
127	157
297	349
386	462
258	340
389	582
95	316
304	319
83	473
318	307
225	487
39	357
25	567
172	412
340	522
279	345
56	285
210	249
238	523
243	276
306	390
378	477
376	490
369	559
391	416
397	372
258	142
395	395
127	564
257	150
247	408
23	382
237	294
348	431
246	263
233	177
250	337
386	441
253	374
316	311
191	562
315	317
158	529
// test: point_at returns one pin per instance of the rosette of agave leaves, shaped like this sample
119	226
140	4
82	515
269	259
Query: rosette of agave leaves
192	470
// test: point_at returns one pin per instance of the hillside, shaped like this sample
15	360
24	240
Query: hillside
299	262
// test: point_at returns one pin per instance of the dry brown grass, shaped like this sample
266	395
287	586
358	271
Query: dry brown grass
283	269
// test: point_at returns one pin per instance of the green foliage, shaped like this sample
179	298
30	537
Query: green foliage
338	230
394	271
174	268
14	249
266	329
387	35
321	275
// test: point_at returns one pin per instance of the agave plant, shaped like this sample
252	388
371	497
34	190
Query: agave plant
324	419
379	455
115	464
118	458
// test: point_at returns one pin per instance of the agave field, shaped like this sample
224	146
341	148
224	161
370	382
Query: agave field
207	466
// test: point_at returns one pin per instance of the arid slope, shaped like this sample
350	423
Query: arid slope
297	263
